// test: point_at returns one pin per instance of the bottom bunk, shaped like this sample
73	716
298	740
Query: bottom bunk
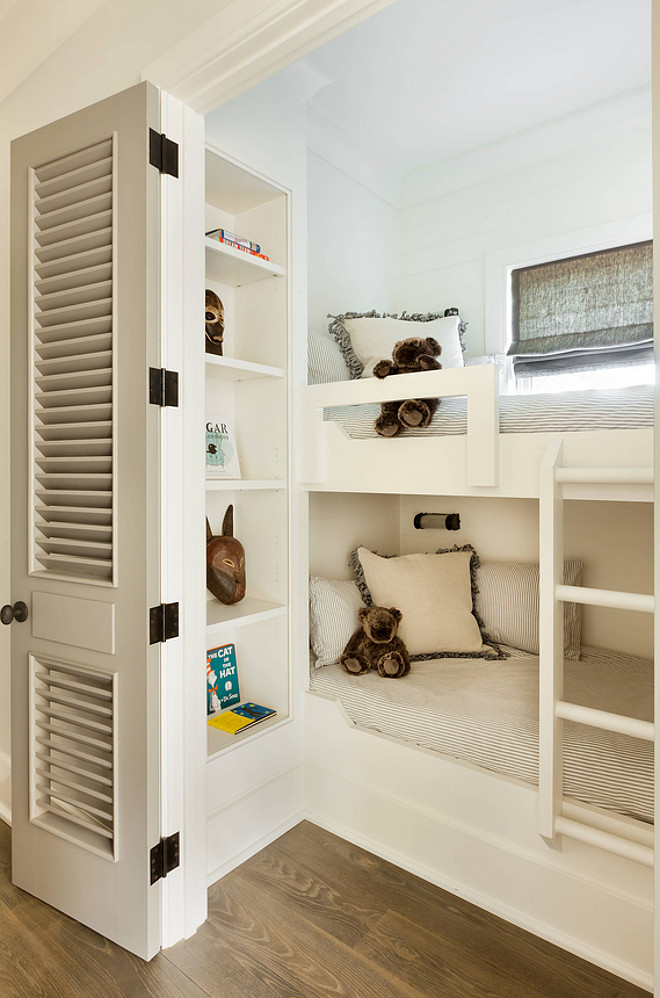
475	833
437	771
486	713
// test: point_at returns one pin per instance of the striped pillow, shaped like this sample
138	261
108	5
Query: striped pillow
508	604
333	617
324	360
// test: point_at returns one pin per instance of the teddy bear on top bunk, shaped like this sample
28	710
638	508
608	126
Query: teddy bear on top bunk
409	355
376	645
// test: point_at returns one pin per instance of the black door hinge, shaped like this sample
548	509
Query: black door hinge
163	153
163	387
164	857
163	622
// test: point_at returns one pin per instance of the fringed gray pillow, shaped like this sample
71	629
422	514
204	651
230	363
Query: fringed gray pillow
364	338
436	594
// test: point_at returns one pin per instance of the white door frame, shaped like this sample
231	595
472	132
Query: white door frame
255	42
252	41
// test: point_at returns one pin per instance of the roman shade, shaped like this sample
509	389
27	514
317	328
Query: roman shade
584	312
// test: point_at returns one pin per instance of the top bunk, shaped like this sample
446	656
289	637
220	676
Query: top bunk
479	442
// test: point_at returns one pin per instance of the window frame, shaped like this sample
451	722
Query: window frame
499	263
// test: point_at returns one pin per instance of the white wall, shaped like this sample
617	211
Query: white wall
340	522
352	245
572	175
613	540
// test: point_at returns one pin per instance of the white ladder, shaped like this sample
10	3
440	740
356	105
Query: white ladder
558	816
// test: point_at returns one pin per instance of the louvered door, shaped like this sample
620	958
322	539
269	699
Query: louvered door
86	516
72	343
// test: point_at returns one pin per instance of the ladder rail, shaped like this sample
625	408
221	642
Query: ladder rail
551	641
556	815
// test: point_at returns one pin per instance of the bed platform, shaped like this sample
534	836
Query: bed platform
486	713
480	443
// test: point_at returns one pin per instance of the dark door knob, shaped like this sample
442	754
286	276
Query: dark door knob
18	612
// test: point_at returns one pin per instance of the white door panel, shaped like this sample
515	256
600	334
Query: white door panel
85	516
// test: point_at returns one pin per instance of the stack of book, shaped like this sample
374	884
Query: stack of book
237	242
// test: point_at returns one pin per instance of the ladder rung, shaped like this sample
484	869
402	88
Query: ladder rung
604	840
605	476
605	597
608	821
605	720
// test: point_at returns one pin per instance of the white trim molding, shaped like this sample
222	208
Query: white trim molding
499	263
5	787
251	41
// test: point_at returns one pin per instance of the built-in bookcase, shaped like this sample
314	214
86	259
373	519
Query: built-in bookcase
249	386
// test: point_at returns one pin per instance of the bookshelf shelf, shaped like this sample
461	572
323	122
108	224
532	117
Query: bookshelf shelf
235	268
244	485
249	611
220	741
231	369
252	396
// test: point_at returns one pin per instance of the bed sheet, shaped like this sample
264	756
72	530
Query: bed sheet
564	412
486	713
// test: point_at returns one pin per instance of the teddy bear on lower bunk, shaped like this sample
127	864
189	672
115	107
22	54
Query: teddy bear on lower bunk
376	645
412	354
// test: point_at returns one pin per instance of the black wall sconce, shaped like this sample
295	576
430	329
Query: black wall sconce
437	521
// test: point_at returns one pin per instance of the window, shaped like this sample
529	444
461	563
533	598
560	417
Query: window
584	321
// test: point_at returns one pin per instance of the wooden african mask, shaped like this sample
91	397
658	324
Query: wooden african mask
214	323
225	562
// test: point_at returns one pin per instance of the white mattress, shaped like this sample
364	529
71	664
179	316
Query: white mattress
487	713
565	412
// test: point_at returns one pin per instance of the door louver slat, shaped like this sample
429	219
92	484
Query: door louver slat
78	277
53	774
73	375
73	731
74	263
75	237
67	338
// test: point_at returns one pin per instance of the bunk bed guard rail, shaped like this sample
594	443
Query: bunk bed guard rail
478	384
557	815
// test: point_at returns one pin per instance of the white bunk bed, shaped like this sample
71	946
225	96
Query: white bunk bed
574	869
481	461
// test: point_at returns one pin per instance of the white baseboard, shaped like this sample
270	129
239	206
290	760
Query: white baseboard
399	832
5	787
247	823
254	847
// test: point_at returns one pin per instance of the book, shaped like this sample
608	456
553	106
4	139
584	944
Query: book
221	678
236	719
221	454
230	237
242	246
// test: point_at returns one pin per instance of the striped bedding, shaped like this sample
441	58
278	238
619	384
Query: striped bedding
487	713
612	409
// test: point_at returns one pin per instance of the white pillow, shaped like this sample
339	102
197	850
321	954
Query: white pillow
365	340
324	360
333	617
434	594
508	604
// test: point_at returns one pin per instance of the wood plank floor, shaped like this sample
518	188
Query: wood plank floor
310	916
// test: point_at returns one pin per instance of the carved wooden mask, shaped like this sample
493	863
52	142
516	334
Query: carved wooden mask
214	323
225	562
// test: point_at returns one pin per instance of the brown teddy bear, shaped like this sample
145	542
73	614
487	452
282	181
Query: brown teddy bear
413	354
375	645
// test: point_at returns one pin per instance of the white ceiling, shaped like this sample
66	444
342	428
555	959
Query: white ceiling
429	79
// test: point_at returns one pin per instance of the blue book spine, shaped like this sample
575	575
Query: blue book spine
221	678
